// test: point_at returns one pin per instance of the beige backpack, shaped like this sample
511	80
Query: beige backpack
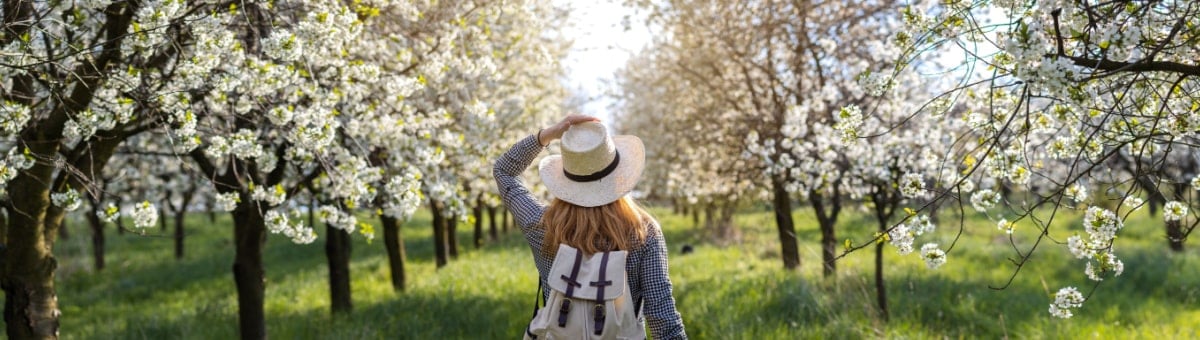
589	299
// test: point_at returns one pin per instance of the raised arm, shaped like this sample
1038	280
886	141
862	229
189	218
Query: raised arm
658	302
525	208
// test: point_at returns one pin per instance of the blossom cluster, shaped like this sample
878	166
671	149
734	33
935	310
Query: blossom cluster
271	196
144	215
1102	226
1064	300
227	201
912	185
278	223
902	236
403	195
1077	192
849	120
934	257
68	200
984	199
337	218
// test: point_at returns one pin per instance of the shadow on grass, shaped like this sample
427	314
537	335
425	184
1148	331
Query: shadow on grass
409	316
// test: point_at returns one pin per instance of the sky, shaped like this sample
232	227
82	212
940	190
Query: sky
601	47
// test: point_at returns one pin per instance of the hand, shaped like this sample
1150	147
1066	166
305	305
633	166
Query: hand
550	133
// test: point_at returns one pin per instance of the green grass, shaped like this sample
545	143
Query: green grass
738	291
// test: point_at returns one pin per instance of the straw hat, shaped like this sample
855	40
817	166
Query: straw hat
594	168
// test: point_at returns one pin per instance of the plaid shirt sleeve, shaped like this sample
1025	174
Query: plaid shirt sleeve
658	302
525	208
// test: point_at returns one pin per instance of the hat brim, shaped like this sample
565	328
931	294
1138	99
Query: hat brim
605	190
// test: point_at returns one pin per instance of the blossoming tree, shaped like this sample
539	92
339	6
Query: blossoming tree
766	78
1066	98
261	100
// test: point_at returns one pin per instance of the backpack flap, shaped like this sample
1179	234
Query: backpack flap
596	277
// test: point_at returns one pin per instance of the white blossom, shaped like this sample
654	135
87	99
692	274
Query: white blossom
984	199
933	256
921	224
403	195
337	218
1132	202
849	119
1174	211
1102	224
273	196
278	223
912	185
67	200
1079	248
1065	299
144	214
1005	226
110	213
228	201
902	238
1077	192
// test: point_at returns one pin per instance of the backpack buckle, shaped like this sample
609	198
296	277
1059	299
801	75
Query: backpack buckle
562	313
598	316
598	312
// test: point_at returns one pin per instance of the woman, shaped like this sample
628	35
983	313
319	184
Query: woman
591	210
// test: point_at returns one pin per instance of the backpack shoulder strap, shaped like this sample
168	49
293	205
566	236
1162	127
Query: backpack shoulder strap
572	282
600	283
637	306
538	301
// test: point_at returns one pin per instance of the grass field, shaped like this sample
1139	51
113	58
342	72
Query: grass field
738	291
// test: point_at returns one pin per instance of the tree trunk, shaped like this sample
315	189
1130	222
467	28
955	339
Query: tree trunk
97	227
162	214
1175	236
507	217
789	250
211	208
492	232
394	242
452	235
695	216
337	250
30	303
441	254
3	235
710	211
828	250
1175	233
63	233
880	289
249	233
827	218
179	219
312	210
478	212
185	199
886	202
725	222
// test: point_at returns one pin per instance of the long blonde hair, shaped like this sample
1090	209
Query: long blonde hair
620	225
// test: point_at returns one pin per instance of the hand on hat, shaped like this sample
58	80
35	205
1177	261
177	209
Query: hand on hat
550	133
